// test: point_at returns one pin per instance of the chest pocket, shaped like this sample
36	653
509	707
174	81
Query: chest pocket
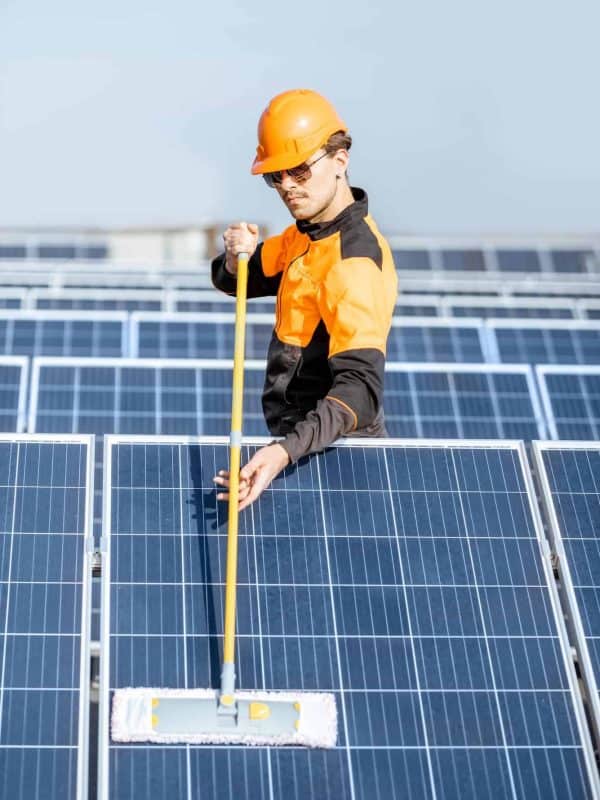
298	312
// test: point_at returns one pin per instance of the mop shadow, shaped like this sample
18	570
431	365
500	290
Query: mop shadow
210	516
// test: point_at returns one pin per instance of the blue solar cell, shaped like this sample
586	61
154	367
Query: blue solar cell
571	484
408	580
548	345
43	627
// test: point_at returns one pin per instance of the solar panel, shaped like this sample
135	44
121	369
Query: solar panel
12	298
196	335
417	306
67	333
463	260
411	260
493	284
13	393
465	401
219	302
99	299
553	342
436	339
407	577
44	608
571	401
192	397
570	481
205	335
589	309
517	260
572	260
511	307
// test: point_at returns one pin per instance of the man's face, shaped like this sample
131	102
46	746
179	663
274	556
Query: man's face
309	198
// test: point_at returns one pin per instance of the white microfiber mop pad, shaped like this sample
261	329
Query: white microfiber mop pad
132	718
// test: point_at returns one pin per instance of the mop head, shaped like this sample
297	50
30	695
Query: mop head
134	718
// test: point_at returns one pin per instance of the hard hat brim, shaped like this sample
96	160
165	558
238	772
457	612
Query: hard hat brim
295	157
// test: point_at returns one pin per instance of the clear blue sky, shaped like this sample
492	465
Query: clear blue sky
467	117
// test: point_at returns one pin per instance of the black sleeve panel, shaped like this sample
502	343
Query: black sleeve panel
352	403
358	382
321	427
258	283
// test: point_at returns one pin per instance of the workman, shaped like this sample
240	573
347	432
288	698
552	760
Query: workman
335	281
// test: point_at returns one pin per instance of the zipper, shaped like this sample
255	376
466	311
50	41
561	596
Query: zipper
280	292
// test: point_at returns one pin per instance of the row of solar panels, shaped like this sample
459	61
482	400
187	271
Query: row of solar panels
473	257
472	282
411	578
208	335
498	259
408	305
88	395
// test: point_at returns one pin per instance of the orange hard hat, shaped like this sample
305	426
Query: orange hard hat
291	128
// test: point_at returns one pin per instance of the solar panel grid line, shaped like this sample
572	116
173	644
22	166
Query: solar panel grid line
32	686
369	446
573	611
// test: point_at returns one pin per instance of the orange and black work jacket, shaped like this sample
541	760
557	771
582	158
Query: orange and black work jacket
336	288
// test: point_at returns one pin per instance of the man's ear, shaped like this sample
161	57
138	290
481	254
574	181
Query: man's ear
341	159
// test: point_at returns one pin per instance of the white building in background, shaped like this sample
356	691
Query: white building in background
152	246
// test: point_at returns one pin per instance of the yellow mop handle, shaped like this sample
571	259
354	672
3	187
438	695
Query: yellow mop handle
234	458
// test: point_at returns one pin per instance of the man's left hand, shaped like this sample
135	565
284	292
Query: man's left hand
256	475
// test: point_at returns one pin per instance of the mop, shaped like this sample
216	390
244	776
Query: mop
227	716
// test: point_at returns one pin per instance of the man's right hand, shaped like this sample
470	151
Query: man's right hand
241	237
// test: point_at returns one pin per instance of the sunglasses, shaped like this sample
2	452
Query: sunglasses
298	174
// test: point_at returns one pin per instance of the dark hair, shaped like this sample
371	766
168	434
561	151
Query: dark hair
338	141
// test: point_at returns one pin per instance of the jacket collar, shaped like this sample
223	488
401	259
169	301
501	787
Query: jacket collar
345	219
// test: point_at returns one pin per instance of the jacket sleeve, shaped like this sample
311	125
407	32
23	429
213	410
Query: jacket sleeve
358	321
264	270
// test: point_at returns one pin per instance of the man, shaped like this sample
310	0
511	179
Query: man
335	281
